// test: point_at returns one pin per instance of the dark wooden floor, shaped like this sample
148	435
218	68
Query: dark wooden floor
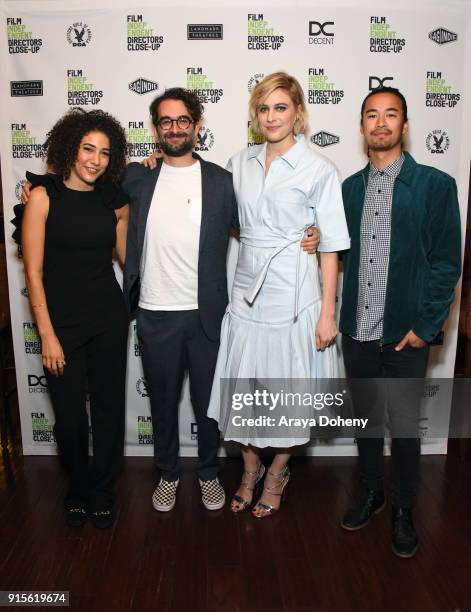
191	559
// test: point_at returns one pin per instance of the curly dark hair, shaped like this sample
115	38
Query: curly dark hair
63	141
188	97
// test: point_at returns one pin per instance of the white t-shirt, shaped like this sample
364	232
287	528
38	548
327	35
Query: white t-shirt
169	262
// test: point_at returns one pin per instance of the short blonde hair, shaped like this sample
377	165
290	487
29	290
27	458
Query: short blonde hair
278	80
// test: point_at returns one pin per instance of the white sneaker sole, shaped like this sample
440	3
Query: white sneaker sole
164	507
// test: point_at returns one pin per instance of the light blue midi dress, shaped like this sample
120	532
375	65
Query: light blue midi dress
268	330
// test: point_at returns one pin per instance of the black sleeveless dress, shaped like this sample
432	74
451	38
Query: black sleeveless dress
82	293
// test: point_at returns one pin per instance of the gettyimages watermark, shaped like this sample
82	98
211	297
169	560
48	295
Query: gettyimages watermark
302	409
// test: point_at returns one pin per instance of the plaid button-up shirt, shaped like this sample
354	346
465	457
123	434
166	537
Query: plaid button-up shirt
375	235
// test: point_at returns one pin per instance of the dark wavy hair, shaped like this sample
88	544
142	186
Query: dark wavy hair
189	99
63	141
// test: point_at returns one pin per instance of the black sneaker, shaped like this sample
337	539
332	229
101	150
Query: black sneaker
76	517
369	504
102	519
404	538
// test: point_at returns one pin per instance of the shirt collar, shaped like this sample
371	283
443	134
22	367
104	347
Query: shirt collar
292	156
392	170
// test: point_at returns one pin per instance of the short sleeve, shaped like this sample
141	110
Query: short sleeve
330	214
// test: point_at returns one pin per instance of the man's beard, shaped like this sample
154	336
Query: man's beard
176	150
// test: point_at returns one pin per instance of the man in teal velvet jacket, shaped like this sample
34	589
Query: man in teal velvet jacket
398	284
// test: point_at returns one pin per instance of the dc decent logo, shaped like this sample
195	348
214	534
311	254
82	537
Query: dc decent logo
37	384
375	82
321	33
79	34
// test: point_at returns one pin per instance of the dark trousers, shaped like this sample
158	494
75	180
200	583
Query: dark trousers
99	366
370	360
173	342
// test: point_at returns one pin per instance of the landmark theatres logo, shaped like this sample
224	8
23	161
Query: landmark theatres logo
80	92
19	39
382	38
142	86
375	82
19	89
31	338
254	81
439	93
79	34
320	33
202	86
141	387
141	36
144	430
41	428
37	384
204	31
437	141
321	90
261	37
324	139
442	36
205	139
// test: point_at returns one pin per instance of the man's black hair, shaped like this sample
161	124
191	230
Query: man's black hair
390	90
189	99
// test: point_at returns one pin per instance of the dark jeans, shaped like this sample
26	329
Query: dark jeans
173	342
370	360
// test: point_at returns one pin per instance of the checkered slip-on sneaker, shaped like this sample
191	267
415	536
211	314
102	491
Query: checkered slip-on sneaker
164	495
212	494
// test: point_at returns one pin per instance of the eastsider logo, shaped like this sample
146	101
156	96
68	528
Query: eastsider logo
21	89
321	90
23	143
442	36
202	86
79	34
383	39
141	36
262	37
324	139
438	93
20	39
142	86
321	32
80	91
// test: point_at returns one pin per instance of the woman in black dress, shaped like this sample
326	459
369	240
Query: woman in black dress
75	217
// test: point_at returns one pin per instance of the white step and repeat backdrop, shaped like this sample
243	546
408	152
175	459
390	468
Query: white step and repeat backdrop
118	56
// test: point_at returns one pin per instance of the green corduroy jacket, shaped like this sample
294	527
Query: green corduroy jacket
425	251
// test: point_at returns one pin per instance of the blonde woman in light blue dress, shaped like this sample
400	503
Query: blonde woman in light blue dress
279	324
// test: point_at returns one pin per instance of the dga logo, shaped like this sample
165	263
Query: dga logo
19	39
442	36
324	139
137	346
202	86
19	188
255	80
193	431
141	143
320	33
375	82
437	141
41	428
253	138
141	387
260	36
20	89
142	86
79	34
382	38
141	36
321	90
144	430
31	338
23	144
438	93
204	31
37	384
24	292
205	139
80	91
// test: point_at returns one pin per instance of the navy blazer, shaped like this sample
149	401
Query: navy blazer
219	214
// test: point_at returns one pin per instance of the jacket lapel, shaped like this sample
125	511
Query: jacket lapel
147	193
